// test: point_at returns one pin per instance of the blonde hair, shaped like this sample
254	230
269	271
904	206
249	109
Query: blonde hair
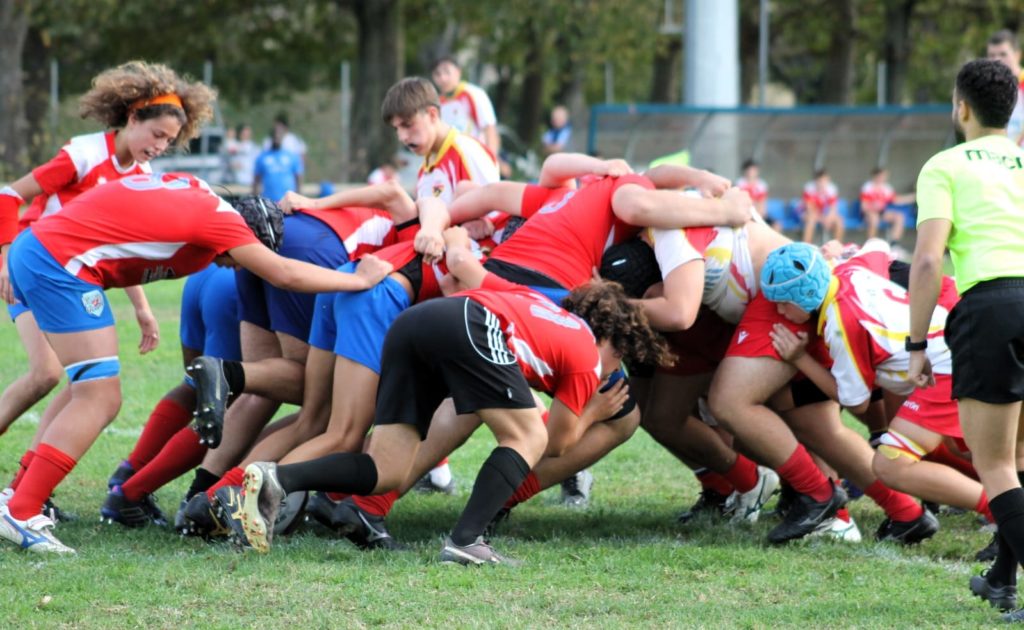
114	92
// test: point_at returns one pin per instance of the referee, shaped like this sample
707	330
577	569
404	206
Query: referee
971	199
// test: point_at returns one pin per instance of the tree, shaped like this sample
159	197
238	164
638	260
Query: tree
14	21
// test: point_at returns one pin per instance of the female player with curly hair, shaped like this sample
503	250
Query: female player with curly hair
146	109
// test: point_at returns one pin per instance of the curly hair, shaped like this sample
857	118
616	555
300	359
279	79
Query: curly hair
115	90
611	316
990	89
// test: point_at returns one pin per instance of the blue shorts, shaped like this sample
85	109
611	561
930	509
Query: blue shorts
555	294
353	325
61	302
15	310
307	239
209	314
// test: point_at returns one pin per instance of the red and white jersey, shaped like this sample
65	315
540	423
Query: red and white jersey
142	228
461	158
757	189
823	198
468	110
566	239
864	322
554	349
81	164
361	230
729	279
876	195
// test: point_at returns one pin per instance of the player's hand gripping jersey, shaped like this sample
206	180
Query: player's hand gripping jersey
141	229
865	320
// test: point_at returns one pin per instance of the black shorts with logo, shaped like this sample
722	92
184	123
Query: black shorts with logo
447	347
985	334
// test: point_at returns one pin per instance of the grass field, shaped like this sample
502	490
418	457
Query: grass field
624	562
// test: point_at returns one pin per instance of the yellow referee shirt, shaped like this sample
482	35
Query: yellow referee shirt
979	187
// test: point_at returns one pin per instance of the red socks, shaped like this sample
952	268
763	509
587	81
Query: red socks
710	480
49	467
181	454
527	489
377	504
743	474
900	507
804	476
942	455
167	418
983	508
26	459
232	477
843	514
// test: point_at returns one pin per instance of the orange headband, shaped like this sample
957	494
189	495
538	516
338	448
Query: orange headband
163	99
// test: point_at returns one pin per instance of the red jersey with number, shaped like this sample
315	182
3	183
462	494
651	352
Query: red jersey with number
142	228
535	199
554	349
361	230
564	240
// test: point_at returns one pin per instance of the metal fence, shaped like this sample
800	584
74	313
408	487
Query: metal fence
790	144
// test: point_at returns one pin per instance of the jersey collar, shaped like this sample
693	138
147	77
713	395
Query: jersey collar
830	297
430	164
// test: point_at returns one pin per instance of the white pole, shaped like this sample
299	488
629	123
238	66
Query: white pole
762	56
346	120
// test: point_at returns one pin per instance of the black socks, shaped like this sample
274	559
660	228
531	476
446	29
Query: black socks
351	473
501	474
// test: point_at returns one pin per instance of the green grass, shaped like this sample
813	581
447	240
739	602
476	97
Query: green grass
625	562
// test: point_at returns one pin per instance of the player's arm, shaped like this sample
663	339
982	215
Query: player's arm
564	428
668	209
388	196
144	315
462	263
505	196
492	139
675	177
562	169
434	219
295	275
792	348
676	308
924	289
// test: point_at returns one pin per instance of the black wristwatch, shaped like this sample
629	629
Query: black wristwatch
915	346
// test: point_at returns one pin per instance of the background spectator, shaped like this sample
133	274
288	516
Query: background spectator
756	187
241	155
289	141
821	205
1005	47
557	137
277	169
465	106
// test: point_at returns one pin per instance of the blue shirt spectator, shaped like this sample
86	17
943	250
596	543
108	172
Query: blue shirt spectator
276	172
557	137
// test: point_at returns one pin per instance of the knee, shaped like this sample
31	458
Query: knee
45	377
726	407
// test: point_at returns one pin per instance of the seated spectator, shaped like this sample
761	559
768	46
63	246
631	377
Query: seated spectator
876	195
756	187
557	137
821	205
